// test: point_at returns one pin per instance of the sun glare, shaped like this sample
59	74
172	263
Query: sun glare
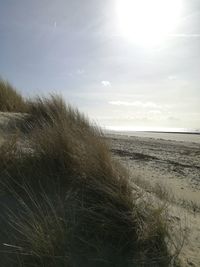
148	22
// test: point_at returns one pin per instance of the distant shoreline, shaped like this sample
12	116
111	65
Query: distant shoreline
165	135
166	132
160	132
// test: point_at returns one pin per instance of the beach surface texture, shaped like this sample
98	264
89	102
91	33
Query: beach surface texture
169	170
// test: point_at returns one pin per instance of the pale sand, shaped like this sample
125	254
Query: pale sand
8	123
175	166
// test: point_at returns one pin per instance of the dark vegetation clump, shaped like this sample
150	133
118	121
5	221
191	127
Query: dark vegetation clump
10	99
66	202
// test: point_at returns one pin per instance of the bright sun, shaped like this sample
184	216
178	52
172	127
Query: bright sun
148	22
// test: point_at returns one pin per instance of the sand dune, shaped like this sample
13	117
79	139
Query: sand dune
167	170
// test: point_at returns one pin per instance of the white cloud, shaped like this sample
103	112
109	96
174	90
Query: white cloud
172	77
171	118
106	83
138	104
154	112
80	71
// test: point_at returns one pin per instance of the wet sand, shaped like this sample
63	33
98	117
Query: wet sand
175	167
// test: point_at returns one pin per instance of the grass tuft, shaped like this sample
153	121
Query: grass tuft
71	204
10	99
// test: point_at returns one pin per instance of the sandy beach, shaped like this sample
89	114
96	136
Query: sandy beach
170	170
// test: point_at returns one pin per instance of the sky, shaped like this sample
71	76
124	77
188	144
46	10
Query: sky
126	65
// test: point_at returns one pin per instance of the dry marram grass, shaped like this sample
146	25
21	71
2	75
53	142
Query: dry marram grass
71	204
10	99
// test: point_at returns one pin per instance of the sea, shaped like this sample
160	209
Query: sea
181	135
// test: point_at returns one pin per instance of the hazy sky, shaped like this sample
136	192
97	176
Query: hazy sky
107	57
